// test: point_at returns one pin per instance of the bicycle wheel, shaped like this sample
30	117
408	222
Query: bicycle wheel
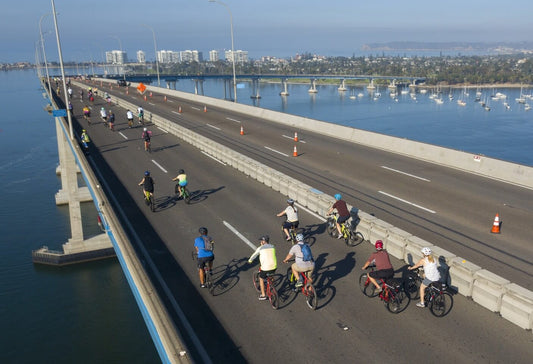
412	288
441	305
186	195
255	279
152	204
398	302
290	278
366	286
355	238
311	297
273	296
331	228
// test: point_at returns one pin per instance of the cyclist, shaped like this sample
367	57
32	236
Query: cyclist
140	114
103	115
204	249
292	217
69	90
107	98
299	265
81	95
342	209
70	108
84	139
267	260
384	267
431	272
87	114
129	115
182	181
111	120
146	135
148	184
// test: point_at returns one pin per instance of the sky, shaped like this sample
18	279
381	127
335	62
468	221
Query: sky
280	28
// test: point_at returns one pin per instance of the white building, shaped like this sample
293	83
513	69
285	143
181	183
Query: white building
116	57
141	56
168	57
191	56
240	56
213	56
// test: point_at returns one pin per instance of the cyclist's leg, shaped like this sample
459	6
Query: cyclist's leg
201	272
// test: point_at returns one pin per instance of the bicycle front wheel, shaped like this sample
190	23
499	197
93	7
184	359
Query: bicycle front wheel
273	297
398	302
186	195
412	288
355	238
366	286
331	228
311	297
255	278
441	305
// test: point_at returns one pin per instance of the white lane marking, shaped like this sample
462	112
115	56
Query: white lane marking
310	212
160	167
175	112
407	202
235	120
163	130
218	160
151	103
195	108
212	126
289	137
405	173
273	150
234	231
170	101
125	137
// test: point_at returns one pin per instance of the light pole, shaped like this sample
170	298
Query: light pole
44	55
155	52
232	48
62	71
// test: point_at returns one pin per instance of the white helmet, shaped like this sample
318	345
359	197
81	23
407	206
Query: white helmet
426	251
145	129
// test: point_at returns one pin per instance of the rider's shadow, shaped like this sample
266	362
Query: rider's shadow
327	275
226	276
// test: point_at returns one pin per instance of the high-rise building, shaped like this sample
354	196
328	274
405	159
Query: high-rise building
168	57
240	56
141	56
213	56
116	57
191	56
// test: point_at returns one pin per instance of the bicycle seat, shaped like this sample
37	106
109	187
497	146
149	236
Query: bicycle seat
393	282
270	274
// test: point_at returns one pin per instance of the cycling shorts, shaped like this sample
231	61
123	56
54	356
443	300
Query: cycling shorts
263	274
342	219
288	224
382	273
203	261
182	183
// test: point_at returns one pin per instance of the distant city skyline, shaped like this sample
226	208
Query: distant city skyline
277	28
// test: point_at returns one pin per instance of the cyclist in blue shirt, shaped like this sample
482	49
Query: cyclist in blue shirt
204	248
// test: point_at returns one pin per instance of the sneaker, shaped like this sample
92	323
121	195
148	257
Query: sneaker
262	298
340	237
203	285
420	304
378	290
299	283
289	238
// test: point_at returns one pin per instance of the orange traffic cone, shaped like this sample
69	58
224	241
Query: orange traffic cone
165	99
179	109
295	152
295	136
242	130
496	225
144	97
205	108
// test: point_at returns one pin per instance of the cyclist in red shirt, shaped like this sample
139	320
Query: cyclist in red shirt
384	267
342	209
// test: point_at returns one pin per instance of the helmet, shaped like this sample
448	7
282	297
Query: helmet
147	173
290	201
338	196
83	131
181	171
103	108
145	129
379	245
426	251
300	237
202	231
265	238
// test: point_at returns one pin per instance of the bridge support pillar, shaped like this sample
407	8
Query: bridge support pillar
285	92
342	86
255	89
198	87
228	87
312	89
77	248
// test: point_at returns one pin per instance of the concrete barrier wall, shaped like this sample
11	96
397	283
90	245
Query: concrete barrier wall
489	290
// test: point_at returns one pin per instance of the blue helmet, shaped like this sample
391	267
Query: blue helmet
290	201
338	196
147	173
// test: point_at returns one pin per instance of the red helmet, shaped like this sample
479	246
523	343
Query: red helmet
379	244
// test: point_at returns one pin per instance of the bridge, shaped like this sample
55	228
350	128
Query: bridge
239	182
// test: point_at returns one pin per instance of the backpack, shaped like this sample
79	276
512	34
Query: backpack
208	243
306	251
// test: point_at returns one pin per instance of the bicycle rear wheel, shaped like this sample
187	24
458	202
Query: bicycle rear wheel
398	302
331	228
412	288
186	195
354	238
255	279
311	297
441	305
273	296
152	204
366	286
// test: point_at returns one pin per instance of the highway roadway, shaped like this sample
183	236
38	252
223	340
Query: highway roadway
447	207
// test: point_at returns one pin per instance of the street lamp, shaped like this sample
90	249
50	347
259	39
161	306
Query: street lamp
232	48
44	54
155	52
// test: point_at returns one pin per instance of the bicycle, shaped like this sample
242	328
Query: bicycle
308	289
292	232
185	194
270	289
351	237
207	275
148	146
149	200
395	298
436	295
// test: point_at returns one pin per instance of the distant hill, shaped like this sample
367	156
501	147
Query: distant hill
493	47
